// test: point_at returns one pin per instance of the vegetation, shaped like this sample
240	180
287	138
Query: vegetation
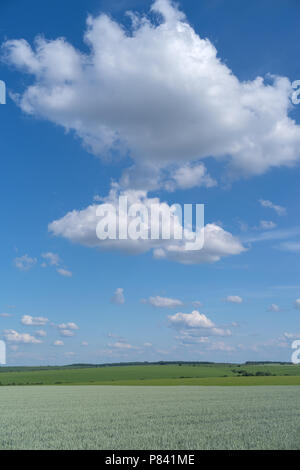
158	417
154	374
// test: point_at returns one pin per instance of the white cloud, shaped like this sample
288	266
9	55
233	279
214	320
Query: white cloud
291	335
70	354
267	224
52	258
122	345
235	299
28	320
41	333
118	297
64	272
122	95
58	342
191	320
221	346
119	338
24	263
186	338
148	345
189	176
195	325
217	244
220	332
164	302
279	209
15	337
80	227
67	333
69	325
5	315
297	304
278	234
274	308
84	343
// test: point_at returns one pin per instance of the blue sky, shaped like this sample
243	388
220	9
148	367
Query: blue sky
87	124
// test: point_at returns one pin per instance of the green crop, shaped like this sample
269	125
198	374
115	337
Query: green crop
112	417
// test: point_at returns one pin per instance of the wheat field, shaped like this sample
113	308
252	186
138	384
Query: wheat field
112	417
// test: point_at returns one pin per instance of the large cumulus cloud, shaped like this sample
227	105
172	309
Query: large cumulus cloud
80	226
159	93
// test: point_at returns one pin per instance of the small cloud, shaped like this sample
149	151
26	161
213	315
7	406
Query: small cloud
5	315
28	320
64	272
41	333
274	235
164	302
24	263
118	297
84	343
15	337
196	324
274	308
58	342
122	345
297	304
191	320
68	326
221	346
67	333
267	225
291	335
278	209
185	338
148	345
52	258
70	354
235	299
190	176
197	304
112	335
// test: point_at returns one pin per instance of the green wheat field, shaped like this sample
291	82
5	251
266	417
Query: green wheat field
161	406
154	417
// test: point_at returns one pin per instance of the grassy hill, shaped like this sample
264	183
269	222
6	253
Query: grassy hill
155	374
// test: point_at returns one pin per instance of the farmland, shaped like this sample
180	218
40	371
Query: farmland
73	417
155	374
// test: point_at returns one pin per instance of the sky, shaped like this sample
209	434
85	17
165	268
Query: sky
187	103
